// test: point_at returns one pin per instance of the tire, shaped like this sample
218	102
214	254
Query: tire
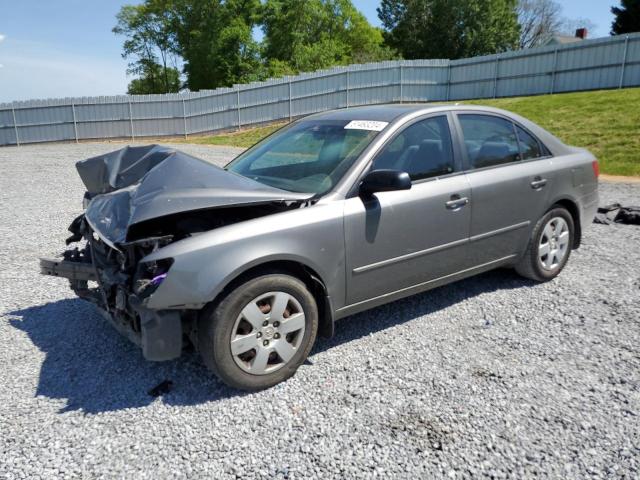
259	333
537	265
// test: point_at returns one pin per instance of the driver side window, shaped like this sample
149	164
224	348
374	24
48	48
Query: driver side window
423	150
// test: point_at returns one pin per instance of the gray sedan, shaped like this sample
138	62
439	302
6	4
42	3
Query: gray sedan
334	214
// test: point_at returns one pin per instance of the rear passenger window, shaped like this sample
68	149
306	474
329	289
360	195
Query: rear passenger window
529	146
489	140
422	150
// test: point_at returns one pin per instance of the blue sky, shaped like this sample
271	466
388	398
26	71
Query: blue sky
65	48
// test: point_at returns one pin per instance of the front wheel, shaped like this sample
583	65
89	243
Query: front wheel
549	247
260	333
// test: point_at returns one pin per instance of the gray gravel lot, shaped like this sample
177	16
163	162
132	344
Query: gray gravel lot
493	376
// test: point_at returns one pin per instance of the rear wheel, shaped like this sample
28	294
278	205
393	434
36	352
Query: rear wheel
260	333
549	247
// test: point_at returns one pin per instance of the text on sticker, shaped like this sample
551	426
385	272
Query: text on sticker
366	125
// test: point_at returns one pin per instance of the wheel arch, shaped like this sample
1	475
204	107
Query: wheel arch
308	275
572	207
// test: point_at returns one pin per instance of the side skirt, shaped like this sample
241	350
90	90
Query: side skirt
421	287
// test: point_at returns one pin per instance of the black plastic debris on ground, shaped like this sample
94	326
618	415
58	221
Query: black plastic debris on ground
162	388
626	215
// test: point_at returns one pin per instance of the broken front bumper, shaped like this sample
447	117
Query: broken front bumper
157	332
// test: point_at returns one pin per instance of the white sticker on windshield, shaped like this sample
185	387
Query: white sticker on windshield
366	125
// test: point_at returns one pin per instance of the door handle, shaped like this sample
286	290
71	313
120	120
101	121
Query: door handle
538	183
456	202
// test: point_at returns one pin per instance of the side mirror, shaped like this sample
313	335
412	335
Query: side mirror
384	181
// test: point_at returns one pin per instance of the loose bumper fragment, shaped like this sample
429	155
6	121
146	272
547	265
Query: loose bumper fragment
67	269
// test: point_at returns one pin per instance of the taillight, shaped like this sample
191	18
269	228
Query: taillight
596	168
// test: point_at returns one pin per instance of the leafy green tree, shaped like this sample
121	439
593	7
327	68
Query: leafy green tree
450	28
154	78
214	38
308	35
627	17
148	33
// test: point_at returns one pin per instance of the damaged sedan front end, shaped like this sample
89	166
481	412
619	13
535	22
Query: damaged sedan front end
138	201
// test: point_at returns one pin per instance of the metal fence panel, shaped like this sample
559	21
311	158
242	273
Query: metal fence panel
380	85
612	62
104	129
46	133
631	75
6	119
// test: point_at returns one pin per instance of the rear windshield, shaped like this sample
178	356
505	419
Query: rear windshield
309	156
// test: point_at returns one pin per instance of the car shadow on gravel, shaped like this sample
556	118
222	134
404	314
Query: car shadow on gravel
401	311
92	368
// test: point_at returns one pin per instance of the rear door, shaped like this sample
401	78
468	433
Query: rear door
395	240
509	172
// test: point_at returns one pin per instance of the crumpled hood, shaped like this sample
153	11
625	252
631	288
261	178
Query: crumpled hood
136	184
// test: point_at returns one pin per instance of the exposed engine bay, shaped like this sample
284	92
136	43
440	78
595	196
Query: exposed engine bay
139	200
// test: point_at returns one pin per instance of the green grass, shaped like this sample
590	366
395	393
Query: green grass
243	138
606	122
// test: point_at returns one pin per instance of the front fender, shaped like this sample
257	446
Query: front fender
203	265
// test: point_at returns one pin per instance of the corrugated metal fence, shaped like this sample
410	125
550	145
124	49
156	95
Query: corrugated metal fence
612	62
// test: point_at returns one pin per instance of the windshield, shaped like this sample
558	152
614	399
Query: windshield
310	156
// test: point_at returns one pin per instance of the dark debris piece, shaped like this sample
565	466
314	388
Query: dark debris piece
162	388
626	215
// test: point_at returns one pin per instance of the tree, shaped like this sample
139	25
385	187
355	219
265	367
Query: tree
148	31
155	78
539	21
214	37
627	17
312	34
449	28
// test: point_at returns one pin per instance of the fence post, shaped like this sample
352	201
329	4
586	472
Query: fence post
131	122
15	125
448	81
553	70
75	124
401	78
238	97
495	77
347	87
624	61
184	116
290	110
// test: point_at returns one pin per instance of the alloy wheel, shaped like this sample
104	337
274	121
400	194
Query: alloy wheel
554	243
267	333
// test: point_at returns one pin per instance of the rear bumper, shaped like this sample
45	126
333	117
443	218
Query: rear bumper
589	204
157	332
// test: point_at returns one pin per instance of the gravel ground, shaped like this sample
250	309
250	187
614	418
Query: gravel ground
493	376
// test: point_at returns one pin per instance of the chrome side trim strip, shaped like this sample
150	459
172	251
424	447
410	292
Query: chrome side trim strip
424	284
444	246
409	256
482	236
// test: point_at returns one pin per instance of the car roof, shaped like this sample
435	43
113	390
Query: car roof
397	112
382	113
390	112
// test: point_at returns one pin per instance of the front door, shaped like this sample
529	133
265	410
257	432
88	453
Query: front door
395	240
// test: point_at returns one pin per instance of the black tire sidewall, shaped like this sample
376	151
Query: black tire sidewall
541	272
216	325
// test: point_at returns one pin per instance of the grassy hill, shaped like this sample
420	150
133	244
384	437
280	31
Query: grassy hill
607	122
